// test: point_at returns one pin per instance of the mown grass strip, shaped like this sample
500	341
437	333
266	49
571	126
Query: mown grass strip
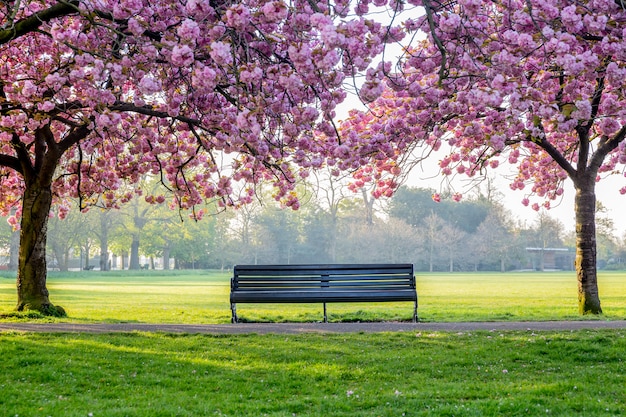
202	297
391	374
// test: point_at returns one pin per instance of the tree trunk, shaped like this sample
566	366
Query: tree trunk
103	237
60	255
32	293
585	207
134	253
87	248
166	256
104	257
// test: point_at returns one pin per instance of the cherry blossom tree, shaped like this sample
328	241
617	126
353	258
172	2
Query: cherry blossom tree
209	96
539	85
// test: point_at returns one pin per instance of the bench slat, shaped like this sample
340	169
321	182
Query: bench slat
345	284
322	297
277	270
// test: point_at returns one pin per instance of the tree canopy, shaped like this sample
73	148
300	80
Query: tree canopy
99	92
540	85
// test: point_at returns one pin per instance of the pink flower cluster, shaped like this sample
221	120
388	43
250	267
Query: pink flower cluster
209	97
531	83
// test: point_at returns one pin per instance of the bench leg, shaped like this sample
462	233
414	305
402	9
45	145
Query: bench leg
233	308
415	318
325	316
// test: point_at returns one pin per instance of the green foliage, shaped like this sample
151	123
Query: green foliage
410	374
413	205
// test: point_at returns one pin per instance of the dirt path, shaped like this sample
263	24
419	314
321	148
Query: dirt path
296	328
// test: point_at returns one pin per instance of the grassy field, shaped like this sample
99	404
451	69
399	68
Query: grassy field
384	374
509	373
202	297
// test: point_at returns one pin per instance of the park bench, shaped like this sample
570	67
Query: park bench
322	284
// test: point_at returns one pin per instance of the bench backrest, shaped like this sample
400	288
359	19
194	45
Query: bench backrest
346	277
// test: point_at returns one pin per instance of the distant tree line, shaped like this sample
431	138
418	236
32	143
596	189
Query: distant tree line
331	226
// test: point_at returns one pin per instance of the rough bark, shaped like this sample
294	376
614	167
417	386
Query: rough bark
586	272
32	293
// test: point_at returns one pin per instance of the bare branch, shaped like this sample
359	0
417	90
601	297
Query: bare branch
443	72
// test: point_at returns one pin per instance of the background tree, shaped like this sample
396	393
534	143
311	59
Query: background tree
432	238
536	84
241	230
606	240
66	234
331	191
103	222
495	241
547	232
412	204
278	233
7	243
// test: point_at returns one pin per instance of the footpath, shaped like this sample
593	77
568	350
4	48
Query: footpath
297	328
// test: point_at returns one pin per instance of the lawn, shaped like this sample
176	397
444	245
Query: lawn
202	297
413	373
383	374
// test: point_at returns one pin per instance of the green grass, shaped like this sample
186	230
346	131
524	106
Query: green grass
384	374
202	297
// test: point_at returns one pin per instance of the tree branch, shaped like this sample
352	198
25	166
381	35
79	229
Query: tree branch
554	153
11	162
24	164
443	73
606	147
32	22
149	111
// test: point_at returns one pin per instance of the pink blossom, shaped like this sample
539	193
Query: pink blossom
450	22
29	88
150	85
204	78
188	30
238	16
221	53
571	19
274	11
135	27
46	106
182	55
